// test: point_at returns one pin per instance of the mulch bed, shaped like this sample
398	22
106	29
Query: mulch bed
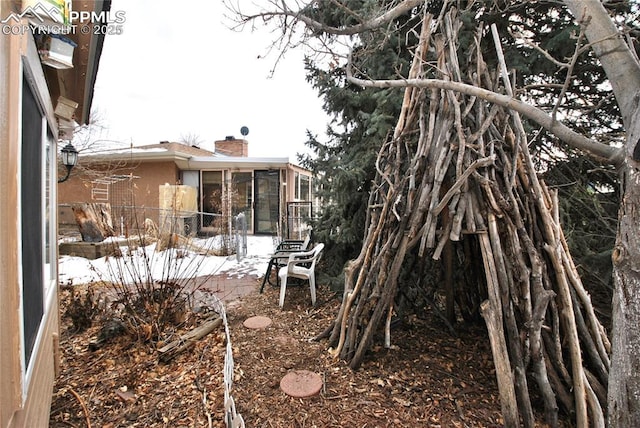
427	378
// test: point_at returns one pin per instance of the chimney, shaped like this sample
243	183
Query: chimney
231	146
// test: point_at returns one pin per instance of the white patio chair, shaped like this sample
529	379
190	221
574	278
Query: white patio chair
300	265
295	244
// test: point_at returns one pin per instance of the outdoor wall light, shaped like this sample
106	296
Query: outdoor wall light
69	159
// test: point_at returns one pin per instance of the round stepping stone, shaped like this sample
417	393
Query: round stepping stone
257	322
301	383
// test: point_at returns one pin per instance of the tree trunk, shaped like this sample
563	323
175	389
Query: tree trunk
94	221
624	377
623	71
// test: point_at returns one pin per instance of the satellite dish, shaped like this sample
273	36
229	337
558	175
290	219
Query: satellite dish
244	131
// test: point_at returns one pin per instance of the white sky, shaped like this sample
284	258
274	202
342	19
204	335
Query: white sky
180	70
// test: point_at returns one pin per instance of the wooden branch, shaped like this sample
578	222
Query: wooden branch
501	361
545	53
569	78
478	163
351	292
461	210
428	238
573	340
559	387
385	302
402	8
491	311
513	342
540	371
599	335
600	152
597	415
387	327
84	406
184	342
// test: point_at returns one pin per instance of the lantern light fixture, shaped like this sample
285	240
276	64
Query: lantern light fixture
69	159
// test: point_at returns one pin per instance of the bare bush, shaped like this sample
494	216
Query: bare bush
153	279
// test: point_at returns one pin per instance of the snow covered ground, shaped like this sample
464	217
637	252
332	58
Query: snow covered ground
78	270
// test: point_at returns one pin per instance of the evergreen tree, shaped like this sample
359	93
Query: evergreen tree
574	91
362	120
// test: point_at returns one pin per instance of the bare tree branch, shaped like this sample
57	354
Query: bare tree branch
372	24
600	151
620	65
568	79
284	11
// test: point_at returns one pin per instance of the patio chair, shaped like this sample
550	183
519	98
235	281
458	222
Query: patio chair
281	255
296	244
300	265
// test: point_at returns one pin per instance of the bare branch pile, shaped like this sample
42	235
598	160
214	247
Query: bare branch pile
456	183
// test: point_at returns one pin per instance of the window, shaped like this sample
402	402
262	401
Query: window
302	187
242	195
211	198
50	238
305	188
33	255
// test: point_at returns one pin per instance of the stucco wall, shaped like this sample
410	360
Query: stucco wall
16	53
140	191
38	403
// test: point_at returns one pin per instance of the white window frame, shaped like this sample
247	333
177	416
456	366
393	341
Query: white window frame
31	69
297	183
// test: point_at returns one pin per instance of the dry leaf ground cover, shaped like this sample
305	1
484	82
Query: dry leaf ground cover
428	378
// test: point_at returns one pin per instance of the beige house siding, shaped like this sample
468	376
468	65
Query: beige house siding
38	401
147	177
29	318
25	392
167	163
10	364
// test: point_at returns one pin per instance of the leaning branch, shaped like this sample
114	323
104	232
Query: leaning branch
299	15
601	152
369	25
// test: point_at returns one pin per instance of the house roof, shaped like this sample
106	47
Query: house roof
179	148
188	157
77	83
209	162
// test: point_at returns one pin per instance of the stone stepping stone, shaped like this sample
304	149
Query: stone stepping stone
301	383
257	322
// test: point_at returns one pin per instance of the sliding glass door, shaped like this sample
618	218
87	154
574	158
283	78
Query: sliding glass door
267	197
242	196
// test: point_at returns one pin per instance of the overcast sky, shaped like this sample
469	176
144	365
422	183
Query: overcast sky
177	71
